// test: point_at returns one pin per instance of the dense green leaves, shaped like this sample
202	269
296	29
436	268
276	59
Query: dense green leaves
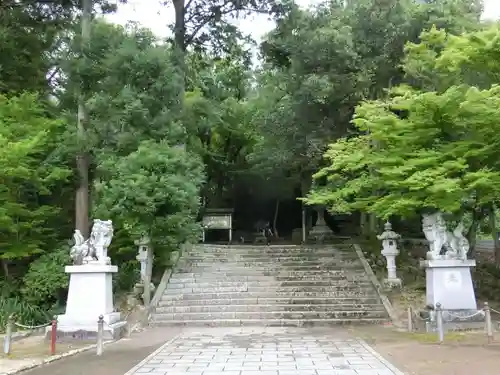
27	139
152	191
247	132
432	159
321	63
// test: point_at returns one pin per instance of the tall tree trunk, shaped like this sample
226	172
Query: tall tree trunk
372	225
305	186
304	224
493	230
180	25
362	224
82	199
180	43
472	232
275	219
5	268
180	53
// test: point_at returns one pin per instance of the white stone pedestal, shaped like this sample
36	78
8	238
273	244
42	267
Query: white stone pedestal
449	282
90	295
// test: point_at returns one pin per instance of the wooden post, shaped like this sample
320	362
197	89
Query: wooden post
303	223
410	319
489	326
53	336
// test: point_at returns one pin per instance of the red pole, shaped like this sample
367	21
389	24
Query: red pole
53	336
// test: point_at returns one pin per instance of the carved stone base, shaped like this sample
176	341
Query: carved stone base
320	234
90	295
390	284
139	289
449	283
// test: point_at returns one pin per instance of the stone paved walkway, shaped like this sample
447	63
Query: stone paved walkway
264	351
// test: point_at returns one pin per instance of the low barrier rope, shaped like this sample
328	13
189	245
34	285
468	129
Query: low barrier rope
461	317
495	311
32	327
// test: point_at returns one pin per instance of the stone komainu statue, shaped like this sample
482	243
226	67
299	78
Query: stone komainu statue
95	249
453	244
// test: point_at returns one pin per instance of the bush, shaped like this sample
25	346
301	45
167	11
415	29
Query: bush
127	276
45	283
25	313
487	280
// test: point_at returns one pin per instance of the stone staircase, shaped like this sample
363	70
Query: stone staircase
269	285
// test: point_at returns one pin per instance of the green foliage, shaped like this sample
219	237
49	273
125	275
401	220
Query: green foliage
128	275
321	63
27	137
215	116
24	312
423	150
439	155
131	89
154	191
245	132
46	283
30	36
487	280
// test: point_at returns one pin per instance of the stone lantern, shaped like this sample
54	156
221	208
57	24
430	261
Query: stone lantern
320	232
143	251
390	251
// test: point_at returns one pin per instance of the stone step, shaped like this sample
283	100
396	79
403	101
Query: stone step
257	280
270	284
268	308
368	300
277	289
262	247
271	322
236	246
269	259
270	251
267	294
271	263
210	267
207	249
271	315
249	273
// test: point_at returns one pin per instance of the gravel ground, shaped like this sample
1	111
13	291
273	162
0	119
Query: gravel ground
460	354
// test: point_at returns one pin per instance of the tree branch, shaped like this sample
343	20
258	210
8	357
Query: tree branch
211	17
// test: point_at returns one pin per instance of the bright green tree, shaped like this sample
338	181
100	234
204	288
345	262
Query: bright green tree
28	176
321	63
152	191
420	151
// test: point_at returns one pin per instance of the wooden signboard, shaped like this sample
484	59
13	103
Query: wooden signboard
221	218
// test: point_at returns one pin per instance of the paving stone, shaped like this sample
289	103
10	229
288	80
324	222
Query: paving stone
264	351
